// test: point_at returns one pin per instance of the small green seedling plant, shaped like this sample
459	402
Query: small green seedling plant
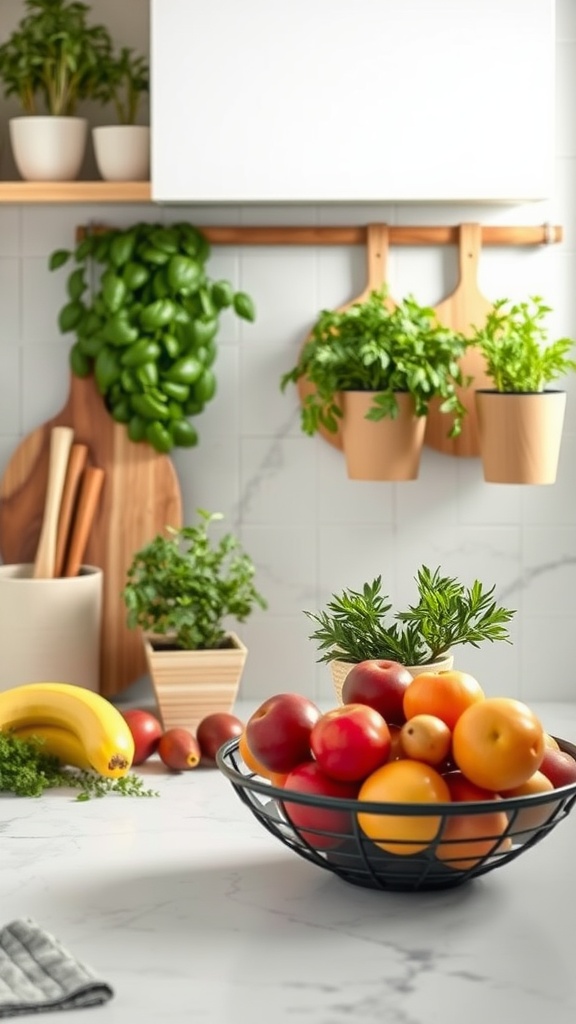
183	585
514	343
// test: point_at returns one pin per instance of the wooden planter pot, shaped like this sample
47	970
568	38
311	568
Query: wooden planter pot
389	449
189	685
520	436
340	670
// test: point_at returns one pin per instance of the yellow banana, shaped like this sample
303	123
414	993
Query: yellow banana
100	728
58	742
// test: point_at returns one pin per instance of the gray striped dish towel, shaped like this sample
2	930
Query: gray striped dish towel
38	974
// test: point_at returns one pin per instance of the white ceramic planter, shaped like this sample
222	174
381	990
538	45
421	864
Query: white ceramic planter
48	148
50	628
122	152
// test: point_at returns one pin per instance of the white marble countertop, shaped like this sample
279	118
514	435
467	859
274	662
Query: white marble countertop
192	912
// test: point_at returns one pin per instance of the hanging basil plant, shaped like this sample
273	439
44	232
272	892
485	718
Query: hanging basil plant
146	328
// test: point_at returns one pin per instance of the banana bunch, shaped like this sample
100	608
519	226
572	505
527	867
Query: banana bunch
77	726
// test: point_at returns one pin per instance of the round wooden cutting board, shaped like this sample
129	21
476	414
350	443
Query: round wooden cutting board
466	306
139	498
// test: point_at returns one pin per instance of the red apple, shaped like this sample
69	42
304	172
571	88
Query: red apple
558	766
350	742
380	685
278	732
334	825
214	730
146	732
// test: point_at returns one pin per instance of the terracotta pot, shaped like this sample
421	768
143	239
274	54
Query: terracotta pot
192	684
389	449
340	670
520	435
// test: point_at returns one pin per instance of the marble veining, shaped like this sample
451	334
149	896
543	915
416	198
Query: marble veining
192	912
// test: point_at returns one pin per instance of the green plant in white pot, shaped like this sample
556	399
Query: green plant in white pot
360	625
181	590
377	363
50	63
521	419
122	150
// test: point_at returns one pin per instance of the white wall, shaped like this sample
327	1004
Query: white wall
309	529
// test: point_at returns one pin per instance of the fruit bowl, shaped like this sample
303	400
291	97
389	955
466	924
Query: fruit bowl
355	857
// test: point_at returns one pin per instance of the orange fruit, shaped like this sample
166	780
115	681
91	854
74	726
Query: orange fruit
409	782
498	743
442	694
467	838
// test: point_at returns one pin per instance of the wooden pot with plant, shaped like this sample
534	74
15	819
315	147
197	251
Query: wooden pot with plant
374	368
181	591
51	63
360	625
521	420
122	150
146	332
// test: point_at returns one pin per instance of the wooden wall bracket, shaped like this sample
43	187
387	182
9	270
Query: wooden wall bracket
517	235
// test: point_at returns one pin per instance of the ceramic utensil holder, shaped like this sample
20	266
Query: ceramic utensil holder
50	628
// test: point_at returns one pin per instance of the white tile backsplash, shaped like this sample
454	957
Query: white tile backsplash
10	322
310	530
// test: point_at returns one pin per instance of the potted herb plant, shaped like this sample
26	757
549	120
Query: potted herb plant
361	625
374	368
181	589
122	150
147	331
520	421
51	62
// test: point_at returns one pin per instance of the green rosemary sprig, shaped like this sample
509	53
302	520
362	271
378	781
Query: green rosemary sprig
354	625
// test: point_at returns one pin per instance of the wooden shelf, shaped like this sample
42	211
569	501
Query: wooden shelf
75	192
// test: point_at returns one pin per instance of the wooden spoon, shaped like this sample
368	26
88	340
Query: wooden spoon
61	439
76	464
465	307
377	267
90	488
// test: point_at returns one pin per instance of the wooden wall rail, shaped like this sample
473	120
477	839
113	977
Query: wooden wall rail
537	234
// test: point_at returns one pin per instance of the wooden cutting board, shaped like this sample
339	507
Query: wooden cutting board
377	245
140	496
467	305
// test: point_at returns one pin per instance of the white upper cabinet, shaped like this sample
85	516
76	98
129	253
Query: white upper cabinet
352	100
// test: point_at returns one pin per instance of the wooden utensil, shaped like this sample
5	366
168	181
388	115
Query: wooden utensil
90	487
61	439
467	305
140	498
76	464
377	268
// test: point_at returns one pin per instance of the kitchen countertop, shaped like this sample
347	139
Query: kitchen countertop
193	912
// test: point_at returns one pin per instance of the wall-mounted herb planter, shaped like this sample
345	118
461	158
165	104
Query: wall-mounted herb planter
520	436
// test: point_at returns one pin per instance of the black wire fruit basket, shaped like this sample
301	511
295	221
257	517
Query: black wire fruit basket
336	841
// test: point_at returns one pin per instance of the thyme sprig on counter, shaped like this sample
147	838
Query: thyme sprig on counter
27	770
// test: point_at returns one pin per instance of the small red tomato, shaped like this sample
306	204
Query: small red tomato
146	732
